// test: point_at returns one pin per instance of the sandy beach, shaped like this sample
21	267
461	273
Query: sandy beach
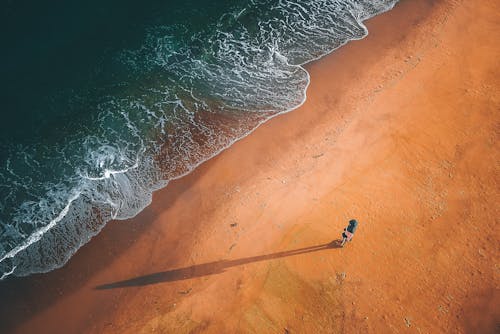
400	131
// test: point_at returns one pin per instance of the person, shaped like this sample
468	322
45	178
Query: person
349	231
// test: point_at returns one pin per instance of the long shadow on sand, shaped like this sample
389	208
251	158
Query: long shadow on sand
210	268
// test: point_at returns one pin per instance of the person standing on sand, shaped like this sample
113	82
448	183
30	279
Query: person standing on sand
349	231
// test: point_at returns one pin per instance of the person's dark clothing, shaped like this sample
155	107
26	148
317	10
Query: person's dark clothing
353	225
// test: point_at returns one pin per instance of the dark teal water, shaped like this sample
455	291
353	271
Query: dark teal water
105	102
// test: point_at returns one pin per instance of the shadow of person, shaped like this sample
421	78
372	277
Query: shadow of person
210	268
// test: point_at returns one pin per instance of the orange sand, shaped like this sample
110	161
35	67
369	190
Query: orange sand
400	131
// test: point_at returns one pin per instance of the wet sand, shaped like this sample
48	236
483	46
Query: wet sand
400	131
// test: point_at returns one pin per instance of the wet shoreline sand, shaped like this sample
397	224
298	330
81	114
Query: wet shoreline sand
399	131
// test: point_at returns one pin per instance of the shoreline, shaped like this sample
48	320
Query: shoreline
304	175
38	234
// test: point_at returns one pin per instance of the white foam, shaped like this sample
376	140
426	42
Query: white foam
8	273
37	234
107	173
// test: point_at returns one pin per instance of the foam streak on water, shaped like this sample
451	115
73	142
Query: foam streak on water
182	96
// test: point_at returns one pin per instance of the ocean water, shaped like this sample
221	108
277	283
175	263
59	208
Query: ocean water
104	102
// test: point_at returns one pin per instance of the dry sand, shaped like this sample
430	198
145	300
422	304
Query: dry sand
400	131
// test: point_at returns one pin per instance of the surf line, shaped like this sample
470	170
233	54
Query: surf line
37	235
